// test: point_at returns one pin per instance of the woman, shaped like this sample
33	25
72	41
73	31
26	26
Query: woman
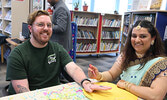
142	65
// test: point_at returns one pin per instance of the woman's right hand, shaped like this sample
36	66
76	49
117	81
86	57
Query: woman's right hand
93	72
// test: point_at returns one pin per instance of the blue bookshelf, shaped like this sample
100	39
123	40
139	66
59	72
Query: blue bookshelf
74	40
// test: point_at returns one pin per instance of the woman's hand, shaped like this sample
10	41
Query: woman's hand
121	84
124	85
93	72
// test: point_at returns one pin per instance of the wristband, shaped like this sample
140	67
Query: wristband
84	80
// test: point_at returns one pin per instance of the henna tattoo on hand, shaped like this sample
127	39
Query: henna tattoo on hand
22	89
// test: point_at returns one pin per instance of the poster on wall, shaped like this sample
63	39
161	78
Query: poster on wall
141	4
38	5
156	4
144	5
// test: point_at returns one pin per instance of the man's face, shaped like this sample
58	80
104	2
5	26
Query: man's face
52	2
41	30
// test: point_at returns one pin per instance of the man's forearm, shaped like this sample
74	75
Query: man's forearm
20	86
75	72
21	89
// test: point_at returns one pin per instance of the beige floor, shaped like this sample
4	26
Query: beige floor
103	63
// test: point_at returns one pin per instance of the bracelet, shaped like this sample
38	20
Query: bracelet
101	78
84	80
127	85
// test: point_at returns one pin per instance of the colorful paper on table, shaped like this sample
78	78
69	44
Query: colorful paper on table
113	94
69	91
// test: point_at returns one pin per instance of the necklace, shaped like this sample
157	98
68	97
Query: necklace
139	60
135	62
139	55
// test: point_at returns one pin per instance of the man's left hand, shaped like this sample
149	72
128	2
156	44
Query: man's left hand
90	87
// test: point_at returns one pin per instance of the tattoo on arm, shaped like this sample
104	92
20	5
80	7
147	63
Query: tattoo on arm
22	89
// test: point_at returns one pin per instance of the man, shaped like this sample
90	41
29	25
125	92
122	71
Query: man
37	62
61	20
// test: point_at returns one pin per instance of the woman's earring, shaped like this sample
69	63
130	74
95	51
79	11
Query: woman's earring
152	42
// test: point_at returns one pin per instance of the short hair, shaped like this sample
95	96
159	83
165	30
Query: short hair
32	16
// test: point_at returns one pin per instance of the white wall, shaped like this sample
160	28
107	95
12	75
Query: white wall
104	6
123	6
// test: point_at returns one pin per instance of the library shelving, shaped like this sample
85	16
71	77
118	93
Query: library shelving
11	16
126	27
157	17
110	34
97	33
5	17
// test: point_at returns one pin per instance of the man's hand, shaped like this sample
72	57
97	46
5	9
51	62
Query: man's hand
90	87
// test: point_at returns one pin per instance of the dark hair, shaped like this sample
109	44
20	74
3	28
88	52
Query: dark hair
157	49
32	16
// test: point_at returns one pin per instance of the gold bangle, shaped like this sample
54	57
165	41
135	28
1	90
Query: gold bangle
101	78
127	85
130	86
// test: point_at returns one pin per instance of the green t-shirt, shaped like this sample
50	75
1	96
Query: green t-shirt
41	66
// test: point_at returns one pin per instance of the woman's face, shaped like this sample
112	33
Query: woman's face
141	40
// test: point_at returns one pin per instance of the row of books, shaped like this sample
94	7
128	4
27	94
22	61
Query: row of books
84	34
111	22
8	28
144	17
86	47
110	35
127	19
86	21
0	13
126	29
1	25
8	4
104	46
8	15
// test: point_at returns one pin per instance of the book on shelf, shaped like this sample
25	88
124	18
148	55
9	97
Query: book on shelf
86	21
8	15
1	25
149	17
84	34
0	13
91	34
8	4
104	46
90	47
110	35
86	47
8	28
116	34
115	46
79	35
111	23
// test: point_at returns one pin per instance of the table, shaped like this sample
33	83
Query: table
12	42
69	91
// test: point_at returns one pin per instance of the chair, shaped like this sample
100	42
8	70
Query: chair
5	90
65	78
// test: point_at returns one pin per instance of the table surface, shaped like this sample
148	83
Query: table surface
12	42
69	91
